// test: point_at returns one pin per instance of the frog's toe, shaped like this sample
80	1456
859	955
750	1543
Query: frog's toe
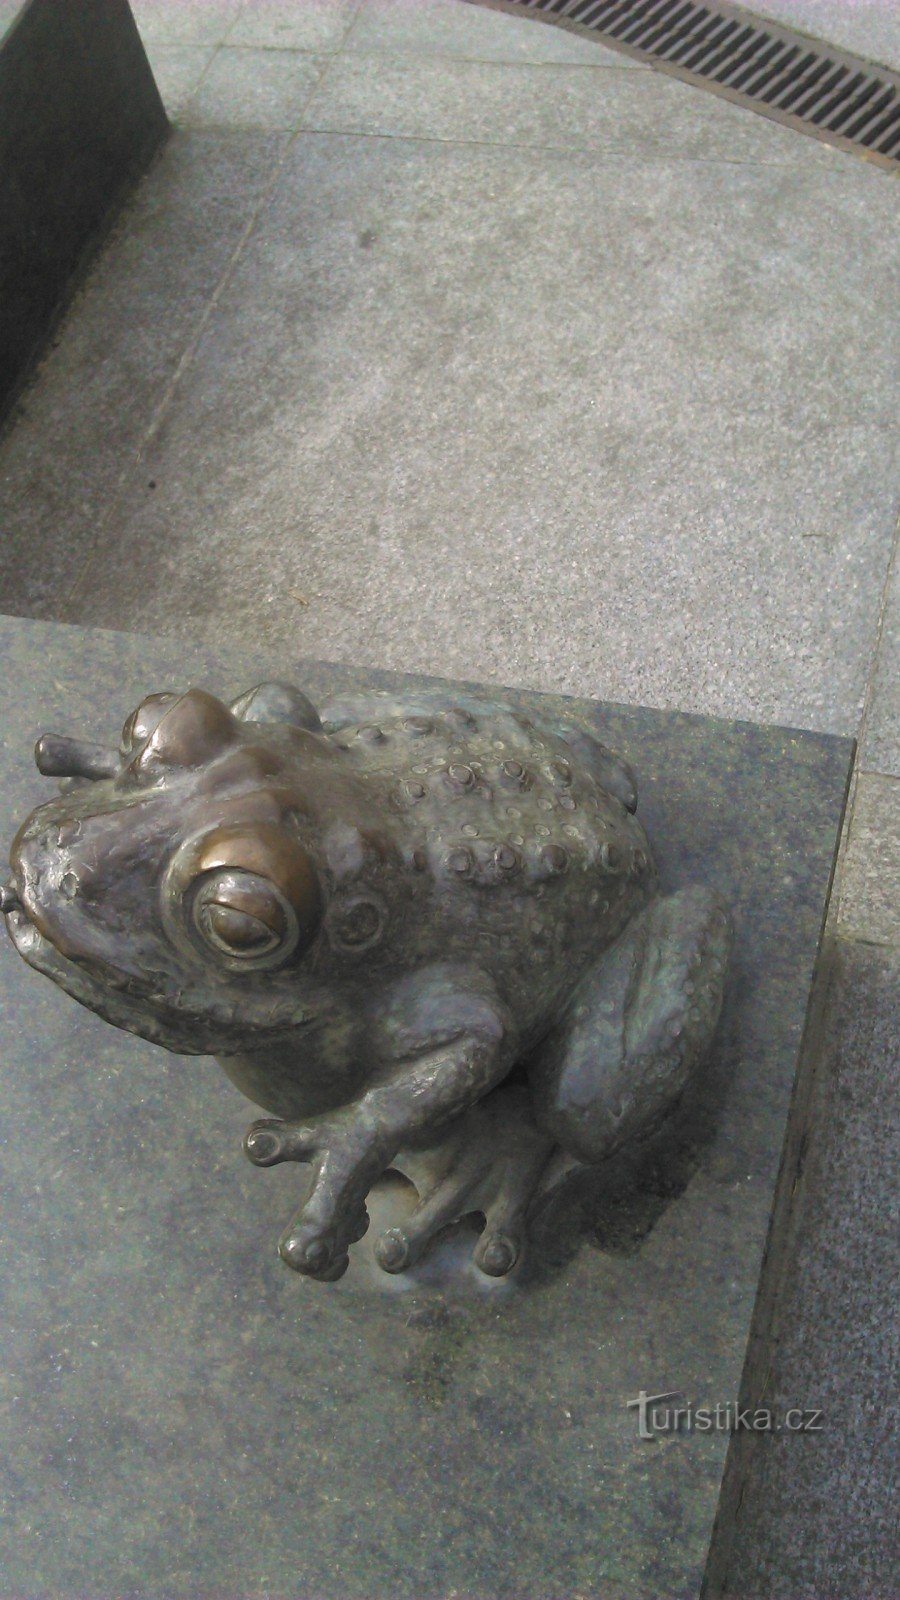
319	1252
496	1253
306	1251
262	1143
401	1247
392	1250
269	1141
489	1163
313	1256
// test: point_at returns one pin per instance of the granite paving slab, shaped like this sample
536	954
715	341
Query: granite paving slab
319	25
182	1416
185	21
837	1339
96	395
869	904
516	417
546	106
255	88
177	69
449	28
880	744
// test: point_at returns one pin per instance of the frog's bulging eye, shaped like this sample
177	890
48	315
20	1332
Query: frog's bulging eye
179	731
247	892
242	915
144	721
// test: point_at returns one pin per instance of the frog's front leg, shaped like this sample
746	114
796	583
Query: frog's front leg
439	1042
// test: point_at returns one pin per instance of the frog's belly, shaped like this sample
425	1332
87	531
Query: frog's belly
317	1070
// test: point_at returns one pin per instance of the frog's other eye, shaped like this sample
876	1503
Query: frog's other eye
144	721
171	731
242	915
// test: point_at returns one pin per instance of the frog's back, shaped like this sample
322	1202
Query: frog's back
533	864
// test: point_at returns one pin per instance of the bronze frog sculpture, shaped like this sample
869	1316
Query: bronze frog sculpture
423	934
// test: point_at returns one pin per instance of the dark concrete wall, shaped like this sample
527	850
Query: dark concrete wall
80	118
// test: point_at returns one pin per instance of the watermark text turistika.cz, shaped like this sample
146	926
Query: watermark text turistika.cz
672	1413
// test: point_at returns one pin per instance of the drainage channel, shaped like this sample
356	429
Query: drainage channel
813	87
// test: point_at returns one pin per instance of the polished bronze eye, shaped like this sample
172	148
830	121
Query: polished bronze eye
144	720
169	731
248	892
242	915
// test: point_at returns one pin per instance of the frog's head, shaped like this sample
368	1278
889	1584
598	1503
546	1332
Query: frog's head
171	886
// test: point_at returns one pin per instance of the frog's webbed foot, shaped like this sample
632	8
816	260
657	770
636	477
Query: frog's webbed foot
636	1027
345	1163
490	1162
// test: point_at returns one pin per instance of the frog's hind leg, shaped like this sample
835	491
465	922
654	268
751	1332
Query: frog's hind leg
636	1027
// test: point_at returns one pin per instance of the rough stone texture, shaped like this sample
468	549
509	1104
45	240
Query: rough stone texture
836	1334
186	21
870	28
572	485
880	750
869	905
178	69
245	88
80	121
447	28
97	393
285	25
547	107
181	1415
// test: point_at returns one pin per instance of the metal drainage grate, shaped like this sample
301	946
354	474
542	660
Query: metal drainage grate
811	86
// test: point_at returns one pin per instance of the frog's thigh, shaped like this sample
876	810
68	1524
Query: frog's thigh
636	1027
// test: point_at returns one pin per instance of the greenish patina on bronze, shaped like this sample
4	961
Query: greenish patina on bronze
422	929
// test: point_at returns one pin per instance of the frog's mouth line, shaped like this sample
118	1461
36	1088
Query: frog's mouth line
41	953
116	996
107	991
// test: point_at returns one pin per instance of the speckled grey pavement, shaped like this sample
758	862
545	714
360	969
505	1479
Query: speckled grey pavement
867	28
440	340
183	1416
870	28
